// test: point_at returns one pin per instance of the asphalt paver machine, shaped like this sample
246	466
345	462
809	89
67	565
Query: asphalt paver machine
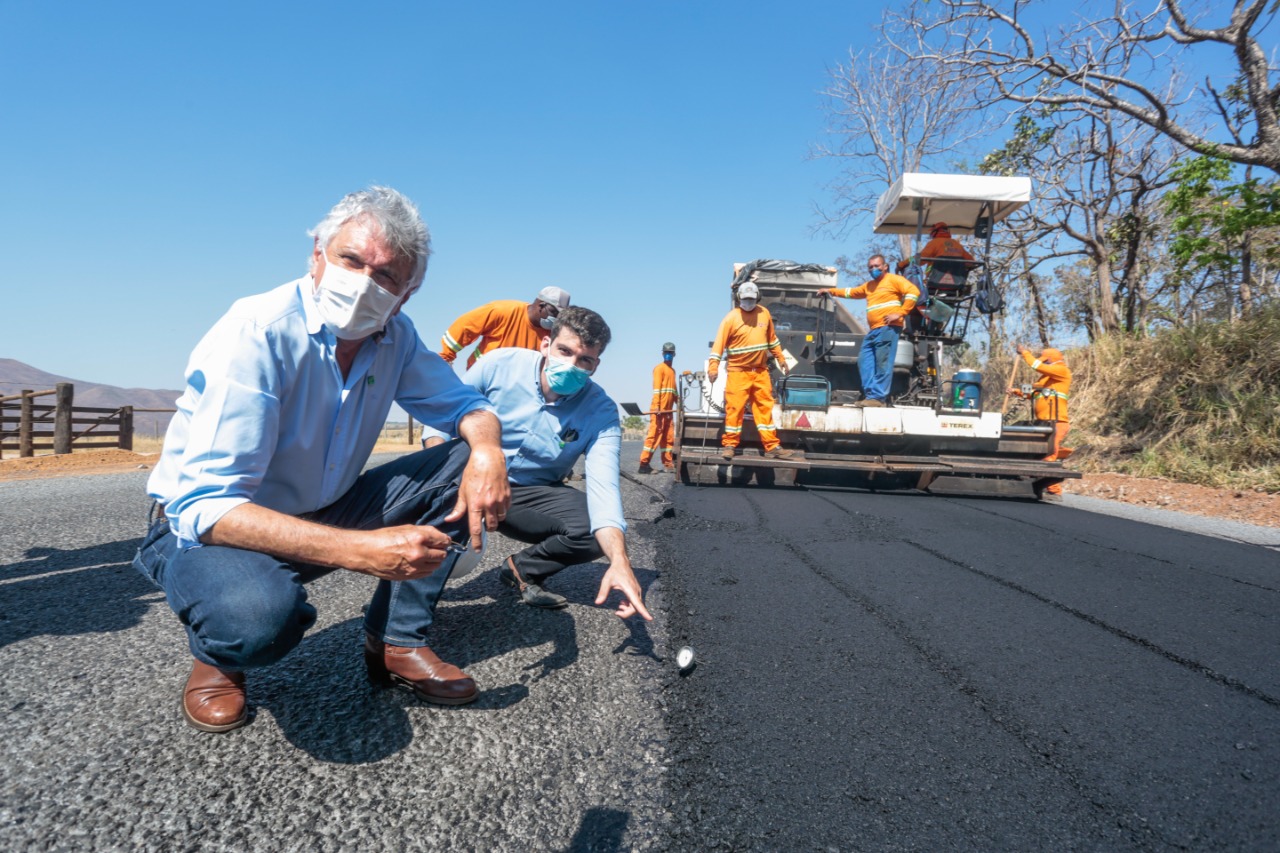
940	434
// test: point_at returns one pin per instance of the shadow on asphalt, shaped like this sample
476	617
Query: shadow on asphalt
601	831
324	705
103	589
579	585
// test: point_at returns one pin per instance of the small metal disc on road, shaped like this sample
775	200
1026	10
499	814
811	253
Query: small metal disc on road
685	660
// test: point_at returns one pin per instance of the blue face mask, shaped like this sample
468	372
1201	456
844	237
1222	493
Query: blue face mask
877	272
668	357
564	377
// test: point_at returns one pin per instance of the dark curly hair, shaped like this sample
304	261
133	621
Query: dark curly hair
589	326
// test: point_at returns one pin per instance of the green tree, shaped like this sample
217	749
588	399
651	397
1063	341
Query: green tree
1224	225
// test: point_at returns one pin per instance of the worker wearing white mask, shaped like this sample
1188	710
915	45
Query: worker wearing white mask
259	487
745	342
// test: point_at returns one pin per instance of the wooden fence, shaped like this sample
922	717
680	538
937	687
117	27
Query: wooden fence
28	424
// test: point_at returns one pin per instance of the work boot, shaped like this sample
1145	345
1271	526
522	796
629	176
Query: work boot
418	670
779	453
531	593
869	404
728	453
1052	497
213	700
644	468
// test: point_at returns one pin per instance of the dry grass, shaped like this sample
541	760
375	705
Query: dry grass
1198	405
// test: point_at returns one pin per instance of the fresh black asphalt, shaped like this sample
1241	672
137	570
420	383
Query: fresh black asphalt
875	672
904	672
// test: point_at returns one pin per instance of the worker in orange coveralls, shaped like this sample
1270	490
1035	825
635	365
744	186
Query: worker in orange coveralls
890	298
745	341
1049	397
941	246
662	407
504	323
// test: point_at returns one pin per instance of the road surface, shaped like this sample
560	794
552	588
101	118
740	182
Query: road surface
876	672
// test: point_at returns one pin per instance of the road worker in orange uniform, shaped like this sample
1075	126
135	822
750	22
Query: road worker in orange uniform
662	407
505	323
941	246
890	298
1049	397
745	341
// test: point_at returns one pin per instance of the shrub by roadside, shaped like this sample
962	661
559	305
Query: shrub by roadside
1199	405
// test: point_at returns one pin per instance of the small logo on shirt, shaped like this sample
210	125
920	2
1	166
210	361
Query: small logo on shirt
369	381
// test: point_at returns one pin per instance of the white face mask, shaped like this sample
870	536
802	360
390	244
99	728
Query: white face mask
747	304
547	322
351	304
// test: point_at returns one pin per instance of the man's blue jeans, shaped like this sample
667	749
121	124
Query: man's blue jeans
243	609
875	362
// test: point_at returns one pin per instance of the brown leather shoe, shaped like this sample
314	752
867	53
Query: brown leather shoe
213	700
419	671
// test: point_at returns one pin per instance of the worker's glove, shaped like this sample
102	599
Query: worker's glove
712	373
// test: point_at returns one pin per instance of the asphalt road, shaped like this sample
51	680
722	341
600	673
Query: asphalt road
876	672
903	672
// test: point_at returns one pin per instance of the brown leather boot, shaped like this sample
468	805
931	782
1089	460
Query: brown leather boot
213	700
419	671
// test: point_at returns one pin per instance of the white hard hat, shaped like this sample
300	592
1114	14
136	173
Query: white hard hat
749	291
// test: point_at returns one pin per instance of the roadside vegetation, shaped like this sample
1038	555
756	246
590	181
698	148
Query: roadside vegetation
1199	404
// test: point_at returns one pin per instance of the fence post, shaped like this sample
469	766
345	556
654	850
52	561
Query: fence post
126	428
411	430
24	424
62	418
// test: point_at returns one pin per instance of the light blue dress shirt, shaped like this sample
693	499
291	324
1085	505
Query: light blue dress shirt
267	416
542	440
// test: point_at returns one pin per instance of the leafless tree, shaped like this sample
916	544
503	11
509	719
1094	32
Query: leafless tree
1097	178
888	114
1123	62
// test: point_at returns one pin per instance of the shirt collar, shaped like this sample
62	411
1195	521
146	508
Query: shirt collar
307	294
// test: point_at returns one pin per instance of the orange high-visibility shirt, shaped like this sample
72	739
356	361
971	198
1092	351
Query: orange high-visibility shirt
1052	388
943	247
889	294
664	389
746	339
504	323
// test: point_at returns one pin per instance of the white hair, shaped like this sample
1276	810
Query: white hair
396	218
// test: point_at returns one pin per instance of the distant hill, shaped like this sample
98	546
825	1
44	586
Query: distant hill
15	376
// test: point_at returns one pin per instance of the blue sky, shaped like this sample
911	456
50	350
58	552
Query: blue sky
163	159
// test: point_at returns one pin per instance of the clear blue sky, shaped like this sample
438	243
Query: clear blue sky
163	159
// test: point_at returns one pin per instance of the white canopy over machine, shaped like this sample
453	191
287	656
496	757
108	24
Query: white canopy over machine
917	200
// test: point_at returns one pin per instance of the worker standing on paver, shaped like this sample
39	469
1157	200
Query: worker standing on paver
662	432
1049	395
890	298
745	341
504	323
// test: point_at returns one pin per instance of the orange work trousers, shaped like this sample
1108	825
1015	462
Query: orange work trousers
749	386
1059	436
661	437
